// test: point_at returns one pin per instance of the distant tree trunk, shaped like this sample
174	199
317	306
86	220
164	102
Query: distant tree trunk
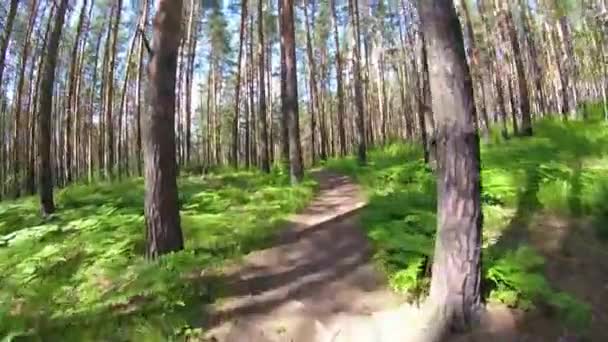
72	108
284	116
47	205
109	121
35	98
314	100
18	142
341	129
290	96
524	99
265	159
121	160
237	101
455	285
8	29
189	77
424	102
162	219
361	149
138	105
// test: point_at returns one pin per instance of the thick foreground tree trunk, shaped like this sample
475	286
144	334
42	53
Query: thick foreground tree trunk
456	273
47	206
164	233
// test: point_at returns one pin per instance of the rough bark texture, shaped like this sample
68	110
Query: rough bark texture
455	285
45	183
164	233
290	94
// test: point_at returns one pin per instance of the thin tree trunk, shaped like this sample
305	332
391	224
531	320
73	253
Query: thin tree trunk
340	90
265	160
109	120
17	138
8	29
290	96
138	97
524	100
235	121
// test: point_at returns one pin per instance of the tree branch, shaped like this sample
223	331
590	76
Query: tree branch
146	42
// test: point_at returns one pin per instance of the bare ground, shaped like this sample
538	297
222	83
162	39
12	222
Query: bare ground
316	284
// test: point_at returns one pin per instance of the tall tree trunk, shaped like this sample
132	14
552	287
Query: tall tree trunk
72	93
524	99
162	219
109	120
8	29
18	142
284	116
33	128
361	149
340	90
290	96
189	77
138	105
235	120
264	155
455	285
314	101
47	205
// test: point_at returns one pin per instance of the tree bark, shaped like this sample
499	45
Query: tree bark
138	105
162	219
264	155
109	120
524	99
340	89
8	29
290	95
237	101
47	205
17	138
455	285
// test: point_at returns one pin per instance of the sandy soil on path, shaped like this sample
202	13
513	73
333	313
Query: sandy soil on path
316	284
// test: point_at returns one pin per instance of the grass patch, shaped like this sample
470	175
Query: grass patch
82	276
562	170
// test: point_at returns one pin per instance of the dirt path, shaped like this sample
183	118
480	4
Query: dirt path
316	284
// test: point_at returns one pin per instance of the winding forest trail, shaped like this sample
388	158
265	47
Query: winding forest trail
317	283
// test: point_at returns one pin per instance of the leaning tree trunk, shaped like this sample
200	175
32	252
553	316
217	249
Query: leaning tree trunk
455	286
8	29
290	94
47	206
164	233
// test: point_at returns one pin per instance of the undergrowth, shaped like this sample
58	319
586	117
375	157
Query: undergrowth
562	170
81	275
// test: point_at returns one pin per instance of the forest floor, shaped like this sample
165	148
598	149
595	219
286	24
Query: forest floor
318	283
351	266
